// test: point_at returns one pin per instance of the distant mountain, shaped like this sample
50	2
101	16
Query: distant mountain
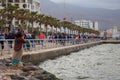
106	18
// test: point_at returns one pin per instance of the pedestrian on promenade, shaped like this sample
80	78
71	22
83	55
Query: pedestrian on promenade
33	40
63	39
2	38
42	39
18	51
28	37
10	38
56	37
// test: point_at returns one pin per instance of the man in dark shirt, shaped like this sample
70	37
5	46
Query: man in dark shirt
10	38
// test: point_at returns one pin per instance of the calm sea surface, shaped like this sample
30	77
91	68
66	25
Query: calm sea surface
101	62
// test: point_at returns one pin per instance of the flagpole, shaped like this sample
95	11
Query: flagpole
64	10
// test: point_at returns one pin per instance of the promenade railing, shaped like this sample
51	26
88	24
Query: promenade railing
7	45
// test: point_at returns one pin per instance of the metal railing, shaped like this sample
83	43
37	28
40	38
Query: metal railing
7	45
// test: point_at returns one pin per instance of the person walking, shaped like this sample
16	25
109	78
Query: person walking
10	38
18	51
2	39
42	39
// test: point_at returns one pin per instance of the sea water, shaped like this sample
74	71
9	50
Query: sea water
100	62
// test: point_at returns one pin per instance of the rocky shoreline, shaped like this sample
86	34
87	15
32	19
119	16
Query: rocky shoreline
28	72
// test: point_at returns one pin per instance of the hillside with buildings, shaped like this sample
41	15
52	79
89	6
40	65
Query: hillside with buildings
105	17
96	18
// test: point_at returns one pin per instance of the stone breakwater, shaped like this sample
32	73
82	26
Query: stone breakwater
28	72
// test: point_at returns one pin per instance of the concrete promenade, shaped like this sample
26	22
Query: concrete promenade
37	56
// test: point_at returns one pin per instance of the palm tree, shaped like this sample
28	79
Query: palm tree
3	20
56	24
40	20
9	13
51	21
2	23
21	15
46	22
65	24
33	18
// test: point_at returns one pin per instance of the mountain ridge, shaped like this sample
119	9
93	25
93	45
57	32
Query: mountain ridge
106	18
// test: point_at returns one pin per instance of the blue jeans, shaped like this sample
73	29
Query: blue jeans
42	42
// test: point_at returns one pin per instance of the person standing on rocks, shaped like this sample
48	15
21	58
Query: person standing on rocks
18	51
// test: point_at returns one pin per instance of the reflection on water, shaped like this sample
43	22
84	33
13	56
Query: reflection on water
97	63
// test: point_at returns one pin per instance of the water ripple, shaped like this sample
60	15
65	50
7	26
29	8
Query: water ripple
96	63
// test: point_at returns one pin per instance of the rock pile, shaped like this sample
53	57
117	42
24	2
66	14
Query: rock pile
28	72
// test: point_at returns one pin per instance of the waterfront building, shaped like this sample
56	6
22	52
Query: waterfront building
95	25
82	23
112	33
116	32
87	24
32	5
109	32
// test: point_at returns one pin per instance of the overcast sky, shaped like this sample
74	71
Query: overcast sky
107	4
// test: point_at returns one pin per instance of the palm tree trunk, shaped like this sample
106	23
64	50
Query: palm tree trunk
46	31
60	30
65	30
56	29
32	26
10	25
52	29
70	31
40	28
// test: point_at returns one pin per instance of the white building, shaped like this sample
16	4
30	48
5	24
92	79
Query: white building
95	25
87	24
82	23
113	32
116	32
32	5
